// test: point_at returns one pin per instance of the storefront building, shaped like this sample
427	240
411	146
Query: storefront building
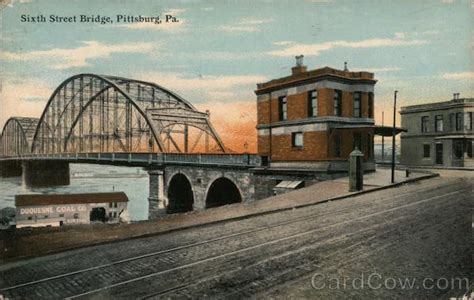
37	210
439	134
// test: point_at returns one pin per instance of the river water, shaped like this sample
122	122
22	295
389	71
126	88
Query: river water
87	178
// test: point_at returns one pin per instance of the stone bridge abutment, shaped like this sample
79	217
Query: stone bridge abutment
186	188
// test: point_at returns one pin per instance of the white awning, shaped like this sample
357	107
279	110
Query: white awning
287	184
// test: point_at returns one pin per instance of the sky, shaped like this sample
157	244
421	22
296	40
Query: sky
219	50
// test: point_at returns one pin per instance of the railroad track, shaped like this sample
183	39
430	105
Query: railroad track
146	257
347	244
257	283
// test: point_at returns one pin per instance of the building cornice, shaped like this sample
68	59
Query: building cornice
436	134
446	105
314	120
269	87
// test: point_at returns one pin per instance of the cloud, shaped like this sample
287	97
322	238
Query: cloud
61	58
316	49
429	32
174	11
10	3
282	43
400	35
205	56
245	25
179	82
225	89
380	70
23	98
459	76
225	55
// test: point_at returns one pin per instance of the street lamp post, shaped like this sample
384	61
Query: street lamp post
393	134
383	142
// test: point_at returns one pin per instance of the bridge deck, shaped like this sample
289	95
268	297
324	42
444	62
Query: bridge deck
144	159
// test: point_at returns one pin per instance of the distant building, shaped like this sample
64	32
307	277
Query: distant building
37	210
438	133
314	119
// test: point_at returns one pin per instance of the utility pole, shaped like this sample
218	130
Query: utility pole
383	143
393	134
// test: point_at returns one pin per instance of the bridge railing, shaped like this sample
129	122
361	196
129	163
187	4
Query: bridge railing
233	159
152	158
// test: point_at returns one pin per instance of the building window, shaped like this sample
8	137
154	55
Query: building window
30	218
337	146
115	214
312	103
439	123
110	214
337	102
76	216
469	148
424	123
357	141
457	148
458	121
46	216
357	104
110	204
283	108
468	121
61	215
426	150
370	109
297	139
115	204
452	122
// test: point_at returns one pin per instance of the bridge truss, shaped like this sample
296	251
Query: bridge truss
17	136
90	113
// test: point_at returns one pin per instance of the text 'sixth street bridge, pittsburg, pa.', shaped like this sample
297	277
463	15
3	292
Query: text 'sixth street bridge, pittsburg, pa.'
111	120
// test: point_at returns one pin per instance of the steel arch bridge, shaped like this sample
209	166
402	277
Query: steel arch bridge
17	136
89	113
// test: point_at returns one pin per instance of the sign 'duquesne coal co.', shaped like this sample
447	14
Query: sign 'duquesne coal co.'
52	209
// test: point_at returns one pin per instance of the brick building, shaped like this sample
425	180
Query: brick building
438	133
314	119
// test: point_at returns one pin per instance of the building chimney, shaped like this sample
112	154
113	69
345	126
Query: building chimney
345	67
299	68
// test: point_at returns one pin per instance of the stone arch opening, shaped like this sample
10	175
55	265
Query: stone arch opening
222	192
180	195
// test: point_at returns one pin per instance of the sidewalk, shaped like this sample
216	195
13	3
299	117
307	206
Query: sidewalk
382	177
24	243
